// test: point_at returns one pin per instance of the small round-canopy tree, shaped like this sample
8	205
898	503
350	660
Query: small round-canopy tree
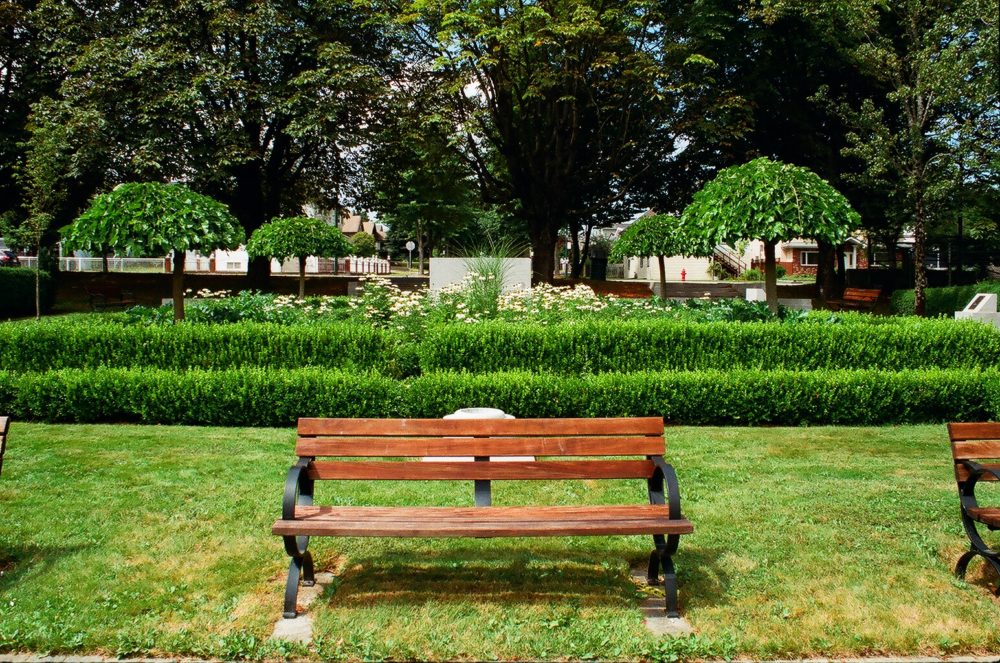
770	201
363	245
658	235
154	219
297	237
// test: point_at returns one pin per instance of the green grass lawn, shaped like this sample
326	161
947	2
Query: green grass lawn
809	541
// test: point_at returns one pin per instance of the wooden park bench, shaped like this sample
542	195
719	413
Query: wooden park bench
975	449
410	439
4	426
855	299
103	297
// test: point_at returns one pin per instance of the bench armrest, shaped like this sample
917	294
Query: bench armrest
665	474
967	490
298	489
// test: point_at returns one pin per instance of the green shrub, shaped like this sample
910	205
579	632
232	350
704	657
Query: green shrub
649	345
86	343
942	301
264	397
236	397
18	287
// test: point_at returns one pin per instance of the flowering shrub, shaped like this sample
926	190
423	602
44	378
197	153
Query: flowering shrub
221	306
477	298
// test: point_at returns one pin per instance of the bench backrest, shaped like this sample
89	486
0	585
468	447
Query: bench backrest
979	442
861	295
479	438
4	425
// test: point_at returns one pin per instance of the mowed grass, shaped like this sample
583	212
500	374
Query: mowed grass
809	541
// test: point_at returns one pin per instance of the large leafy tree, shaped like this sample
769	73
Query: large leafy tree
297	237
770	201
935	128
566	107
153	219
259	104
659	235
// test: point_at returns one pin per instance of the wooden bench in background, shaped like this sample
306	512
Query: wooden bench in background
103	297
975	449
4	426
855	299
409	439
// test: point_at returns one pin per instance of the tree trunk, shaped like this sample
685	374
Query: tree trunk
543	262
178	285
38	286
919	268
420	252
663	276
302	277
824	269
770	276
104	262
841	273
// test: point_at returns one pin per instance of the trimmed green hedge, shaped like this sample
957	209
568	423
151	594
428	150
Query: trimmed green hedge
647	345
570	349
942	301
18	287
90	344
262	397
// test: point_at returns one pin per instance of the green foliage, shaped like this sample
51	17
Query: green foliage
942	301
609	347
238	396
658	235
269	397
18	287
247	306
720	397
87	343
153	219
768	200
363	245
297	237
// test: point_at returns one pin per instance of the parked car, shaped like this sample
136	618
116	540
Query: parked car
9	259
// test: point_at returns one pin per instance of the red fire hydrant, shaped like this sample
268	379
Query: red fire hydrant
684	275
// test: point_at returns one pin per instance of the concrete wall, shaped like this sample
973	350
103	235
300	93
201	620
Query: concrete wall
445	271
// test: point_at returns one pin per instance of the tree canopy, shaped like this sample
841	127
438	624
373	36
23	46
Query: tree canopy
770	201
153	219
297	237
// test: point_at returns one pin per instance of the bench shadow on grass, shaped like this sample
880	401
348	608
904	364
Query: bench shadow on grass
21	560
541	575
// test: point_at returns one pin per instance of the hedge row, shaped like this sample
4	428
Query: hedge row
261	397
569	349
18	287
638	346
88	344
942	301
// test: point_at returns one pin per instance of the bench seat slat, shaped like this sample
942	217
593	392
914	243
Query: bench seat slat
962	472
587	469
484	427
485	446
972	449
960	432
482	522
986	515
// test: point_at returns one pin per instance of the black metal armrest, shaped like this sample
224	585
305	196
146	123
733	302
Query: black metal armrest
665	474
968	490
298	489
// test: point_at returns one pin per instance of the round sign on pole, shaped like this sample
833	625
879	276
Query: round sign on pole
410	246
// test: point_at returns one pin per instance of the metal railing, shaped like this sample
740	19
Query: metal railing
731	261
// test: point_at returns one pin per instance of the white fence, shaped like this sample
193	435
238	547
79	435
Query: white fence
352	265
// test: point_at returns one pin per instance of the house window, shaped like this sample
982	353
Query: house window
809	258
234	266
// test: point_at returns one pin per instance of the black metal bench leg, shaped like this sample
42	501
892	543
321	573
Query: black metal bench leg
292	586
661	558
